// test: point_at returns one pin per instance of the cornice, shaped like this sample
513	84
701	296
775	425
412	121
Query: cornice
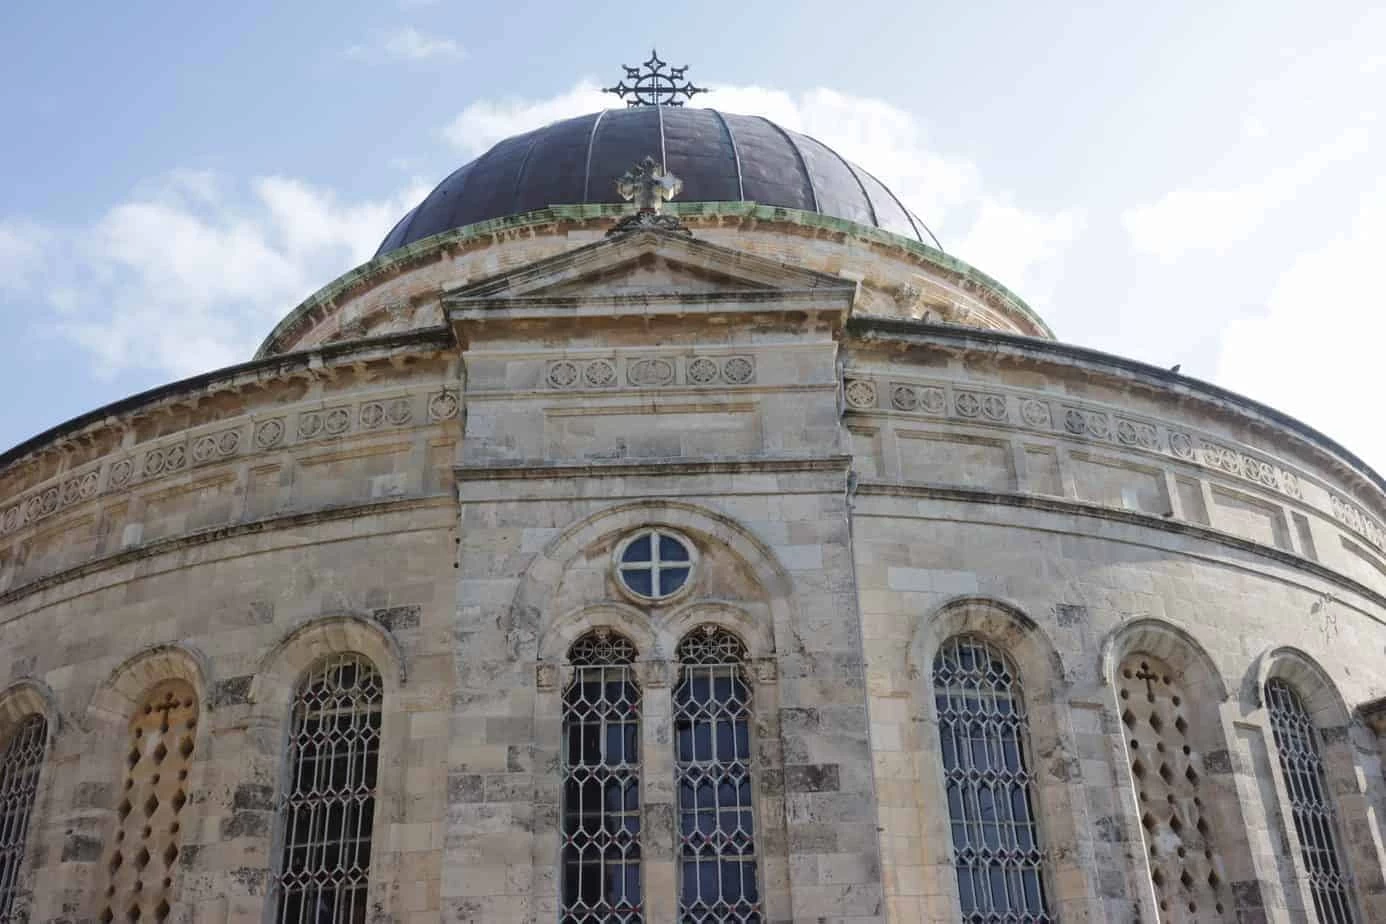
258	371
867	330
715	214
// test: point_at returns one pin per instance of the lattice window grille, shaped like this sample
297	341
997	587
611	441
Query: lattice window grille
984	735
149	828
1316	823
1167	774
328	811
600	769
19	777
718	876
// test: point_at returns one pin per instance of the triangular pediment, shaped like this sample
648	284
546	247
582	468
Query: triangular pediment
650	264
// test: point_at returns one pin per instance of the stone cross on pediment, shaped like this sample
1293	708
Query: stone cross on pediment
648	185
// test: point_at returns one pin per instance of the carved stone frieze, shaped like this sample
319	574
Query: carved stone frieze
177	454
648	372
978	404
1358	520
1072	420
394	412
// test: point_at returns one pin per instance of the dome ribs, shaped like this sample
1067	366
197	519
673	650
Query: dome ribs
720	157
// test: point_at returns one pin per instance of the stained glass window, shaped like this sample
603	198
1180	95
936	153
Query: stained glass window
718	880
328	812
19	775
983	734
601	784
1316	824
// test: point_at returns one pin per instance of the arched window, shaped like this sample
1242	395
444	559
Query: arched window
601	783
19	775
149	832
718	880
1316	824
328	811
984	738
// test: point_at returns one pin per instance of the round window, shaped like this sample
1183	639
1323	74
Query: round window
654	564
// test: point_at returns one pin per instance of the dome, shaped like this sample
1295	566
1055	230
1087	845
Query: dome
720	157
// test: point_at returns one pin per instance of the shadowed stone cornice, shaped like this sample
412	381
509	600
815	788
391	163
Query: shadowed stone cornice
315	362
520	470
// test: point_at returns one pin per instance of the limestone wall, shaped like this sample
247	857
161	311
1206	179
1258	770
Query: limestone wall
856	493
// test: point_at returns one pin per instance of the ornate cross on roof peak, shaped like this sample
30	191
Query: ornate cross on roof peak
653	85
648	185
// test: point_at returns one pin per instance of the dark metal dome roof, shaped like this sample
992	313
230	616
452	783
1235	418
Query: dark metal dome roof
719	157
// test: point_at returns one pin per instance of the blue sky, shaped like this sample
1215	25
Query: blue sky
1198	183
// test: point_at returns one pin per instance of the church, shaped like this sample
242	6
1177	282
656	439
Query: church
663	527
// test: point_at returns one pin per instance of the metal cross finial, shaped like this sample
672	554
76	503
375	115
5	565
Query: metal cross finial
652	85
648	185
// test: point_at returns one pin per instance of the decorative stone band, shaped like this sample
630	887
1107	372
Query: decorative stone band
1089	423
189	450
1358	520
648	372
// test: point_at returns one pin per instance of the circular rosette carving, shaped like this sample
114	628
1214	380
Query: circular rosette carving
229	442
932	400
372	415
442	406
10	521
269	433
904	398
1035	413
994	407
204	448
154	462
702	371
650	372
86	485
967	404
562	374
861	393
336	421
309	425
121	472
738	370
599	374
175	459
1181	444
399	412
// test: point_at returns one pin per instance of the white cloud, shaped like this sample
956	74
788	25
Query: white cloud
1315	353
1023	248
408	44
192	271
485	122
1194	219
